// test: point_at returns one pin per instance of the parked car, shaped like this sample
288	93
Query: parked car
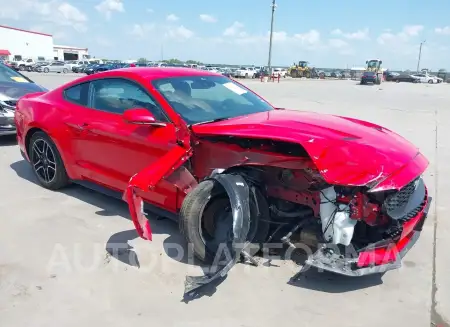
406	78
245	72
54	67
368	78
79	69
438	79
425	78
205	150
35	67
76	63
90	69
13	85
280	71
390	76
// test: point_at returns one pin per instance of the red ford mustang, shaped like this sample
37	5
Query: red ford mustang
203	149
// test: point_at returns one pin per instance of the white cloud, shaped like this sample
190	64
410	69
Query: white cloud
141	30
149	10
278	36
172	18
311	37
50	16
337	43
358	35
208	18
442	30
104	42
408	32
107	7
412	30
180	32
234	30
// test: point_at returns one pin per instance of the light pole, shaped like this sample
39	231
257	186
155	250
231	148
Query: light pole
271	34
420	54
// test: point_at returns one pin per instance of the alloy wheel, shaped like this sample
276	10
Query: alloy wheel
44	160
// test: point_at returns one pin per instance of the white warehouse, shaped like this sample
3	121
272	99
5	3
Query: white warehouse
17	44
63	52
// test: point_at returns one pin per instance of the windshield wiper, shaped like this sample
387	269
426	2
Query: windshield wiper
213	120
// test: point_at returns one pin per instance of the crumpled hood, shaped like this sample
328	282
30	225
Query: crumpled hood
15	90
346	151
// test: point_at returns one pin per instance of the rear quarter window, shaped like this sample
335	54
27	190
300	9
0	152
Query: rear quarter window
77	94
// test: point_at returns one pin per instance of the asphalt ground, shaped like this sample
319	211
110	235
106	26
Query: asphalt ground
72	258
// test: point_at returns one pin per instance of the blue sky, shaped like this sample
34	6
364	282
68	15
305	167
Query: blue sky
326	33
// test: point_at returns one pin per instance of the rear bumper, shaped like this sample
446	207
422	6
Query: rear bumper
373	259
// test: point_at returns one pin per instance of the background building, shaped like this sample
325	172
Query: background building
62	52
17	44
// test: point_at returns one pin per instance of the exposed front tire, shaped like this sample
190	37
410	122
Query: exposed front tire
206	220
46	162
46	70
65	70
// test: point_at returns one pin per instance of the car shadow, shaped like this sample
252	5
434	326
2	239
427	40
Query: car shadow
176	248
328	282
118	246
8	140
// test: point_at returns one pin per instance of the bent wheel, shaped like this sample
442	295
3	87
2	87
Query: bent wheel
206	221
46	162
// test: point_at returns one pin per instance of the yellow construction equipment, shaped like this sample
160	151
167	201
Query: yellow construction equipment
374	65
302	69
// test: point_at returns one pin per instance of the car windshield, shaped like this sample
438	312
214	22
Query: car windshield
200	99
10	75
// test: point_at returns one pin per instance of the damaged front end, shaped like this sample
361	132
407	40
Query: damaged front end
276	192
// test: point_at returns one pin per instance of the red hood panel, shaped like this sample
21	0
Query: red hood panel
347	151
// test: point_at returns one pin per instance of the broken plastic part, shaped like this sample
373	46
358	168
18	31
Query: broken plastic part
238	193
147	179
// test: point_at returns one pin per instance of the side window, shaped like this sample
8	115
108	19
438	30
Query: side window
116	95
78	94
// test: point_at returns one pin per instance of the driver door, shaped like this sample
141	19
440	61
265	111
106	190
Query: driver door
109	150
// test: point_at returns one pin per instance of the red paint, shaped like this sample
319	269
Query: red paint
21	30
346	151
161	164
389	254
5	53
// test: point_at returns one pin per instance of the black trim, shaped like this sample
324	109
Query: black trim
115	77
118	195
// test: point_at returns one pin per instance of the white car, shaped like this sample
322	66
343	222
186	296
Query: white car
245	72
280	71
425	78
438	79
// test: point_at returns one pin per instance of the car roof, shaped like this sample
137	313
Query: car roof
162	72
149	73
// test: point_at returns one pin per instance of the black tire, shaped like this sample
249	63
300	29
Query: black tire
65	70
430	81
46	70
209	197
59	178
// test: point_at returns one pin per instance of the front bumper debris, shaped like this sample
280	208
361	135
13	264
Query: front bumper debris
372	259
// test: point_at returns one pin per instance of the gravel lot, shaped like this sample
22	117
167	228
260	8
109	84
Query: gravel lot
56	266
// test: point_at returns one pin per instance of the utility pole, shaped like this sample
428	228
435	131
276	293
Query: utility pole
420	54
271	35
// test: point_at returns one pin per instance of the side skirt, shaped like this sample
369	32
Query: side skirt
149	209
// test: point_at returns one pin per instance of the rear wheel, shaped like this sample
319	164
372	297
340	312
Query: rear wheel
206	220
430	81
46	162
